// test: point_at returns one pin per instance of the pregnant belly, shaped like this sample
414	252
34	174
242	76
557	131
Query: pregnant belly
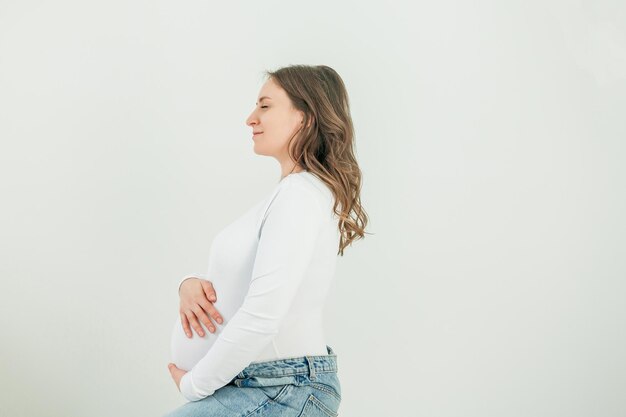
186	352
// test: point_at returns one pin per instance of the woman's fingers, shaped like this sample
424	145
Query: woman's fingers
210	309
185	322
193	321
198	309
209	291
207	286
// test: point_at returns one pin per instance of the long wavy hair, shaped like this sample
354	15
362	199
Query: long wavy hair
325	145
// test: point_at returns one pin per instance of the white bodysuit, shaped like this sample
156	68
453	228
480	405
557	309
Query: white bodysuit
271	269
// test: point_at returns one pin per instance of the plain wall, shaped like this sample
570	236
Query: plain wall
491	137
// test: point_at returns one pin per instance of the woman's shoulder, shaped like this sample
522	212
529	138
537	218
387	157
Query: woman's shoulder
307	181
305	188
306	185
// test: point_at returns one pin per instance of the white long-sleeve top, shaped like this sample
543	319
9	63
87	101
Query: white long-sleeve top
271	269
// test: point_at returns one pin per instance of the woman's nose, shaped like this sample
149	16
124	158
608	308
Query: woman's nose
251	120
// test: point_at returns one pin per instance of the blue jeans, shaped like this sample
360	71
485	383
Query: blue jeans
296	387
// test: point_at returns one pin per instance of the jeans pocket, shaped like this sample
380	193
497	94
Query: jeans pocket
328	383
326	389
314	407
275	392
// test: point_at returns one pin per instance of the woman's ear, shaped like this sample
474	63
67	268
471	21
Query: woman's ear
302	121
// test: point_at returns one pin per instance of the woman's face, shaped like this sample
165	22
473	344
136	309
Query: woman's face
276	118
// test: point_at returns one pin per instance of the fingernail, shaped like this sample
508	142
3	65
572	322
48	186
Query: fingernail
212	298
219	320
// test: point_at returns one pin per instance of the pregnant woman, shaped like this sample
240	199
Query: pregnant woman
272	268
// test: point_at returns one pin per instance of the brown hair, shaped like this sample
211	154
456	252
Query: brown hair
324	146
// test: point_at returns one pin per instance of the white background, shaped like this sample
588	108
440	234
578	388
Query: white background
491	136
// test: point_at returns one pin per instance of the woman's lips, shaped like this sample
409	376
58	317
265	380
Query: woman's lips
256	134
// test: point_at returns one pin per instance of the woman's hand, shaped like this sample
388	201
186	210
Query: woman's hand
177	374
196	302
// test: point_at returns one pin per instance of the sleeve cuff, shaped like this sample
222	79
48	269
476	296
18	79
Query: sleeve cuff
189	389
194	275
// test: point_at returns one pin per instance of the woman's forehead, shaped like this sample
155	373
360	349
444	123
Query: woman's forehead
272	91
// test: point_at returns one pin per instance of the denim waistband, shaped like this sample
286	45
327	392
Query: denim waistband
256	373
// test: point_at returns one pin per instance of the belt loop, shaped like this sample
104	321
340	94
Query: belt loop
311	368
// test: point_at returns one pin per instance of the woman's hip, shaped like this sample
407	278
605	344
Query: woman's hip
298	387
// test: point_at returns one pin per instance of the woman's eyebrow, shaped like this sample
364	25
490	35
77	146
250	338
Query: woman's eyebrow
263	98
